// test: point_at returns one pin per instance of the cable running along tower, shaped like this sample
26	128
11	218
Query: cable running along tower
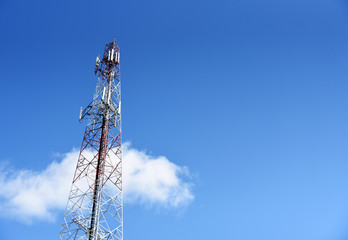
95	206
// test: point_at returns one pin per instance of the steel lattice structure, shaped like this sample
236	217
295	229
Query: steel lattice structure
95	206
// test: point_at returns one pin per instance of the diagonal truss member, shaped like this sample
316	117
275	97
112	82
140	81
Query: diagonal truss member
95	206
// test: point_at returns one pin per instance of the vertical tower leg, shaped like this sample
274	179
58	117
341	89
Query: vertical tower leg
95	206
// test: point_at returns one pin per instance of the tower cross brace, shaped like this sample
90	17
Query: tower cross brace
95	204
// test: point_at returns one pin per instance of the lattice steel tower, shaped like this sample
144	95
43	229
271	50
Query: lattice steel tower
95	206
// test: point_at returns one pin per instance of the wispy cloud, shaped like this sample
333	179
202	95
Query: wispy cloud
148	180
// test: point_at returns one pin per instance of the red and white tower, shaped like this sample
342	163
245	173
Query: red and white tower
95	206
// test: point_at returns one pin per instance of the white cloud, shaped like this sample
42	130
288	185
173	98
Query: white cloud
154	180
28	195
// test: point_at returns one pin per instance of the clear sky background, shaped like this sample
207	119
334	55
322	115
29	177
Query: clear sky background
250	95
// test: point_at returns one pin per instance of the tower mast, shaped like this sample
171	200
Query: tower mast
95	206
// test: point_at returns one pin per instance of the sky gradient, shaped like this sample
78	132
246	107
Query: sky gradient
250	96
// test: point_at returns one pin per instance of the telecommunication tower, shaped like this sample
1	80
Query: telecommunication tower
95	206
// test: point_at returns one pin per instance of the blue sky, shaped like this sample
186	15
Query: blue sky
250	95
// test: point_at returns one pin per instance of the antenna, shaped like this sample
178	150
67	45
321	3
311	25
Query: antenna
97	62
95	206
80	114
